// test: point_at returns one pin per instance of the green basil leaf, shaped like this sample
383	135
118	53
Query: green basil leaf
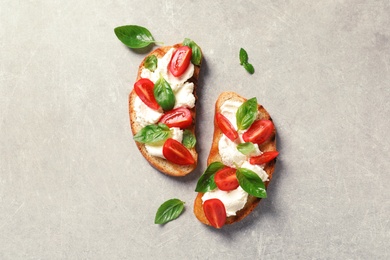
168	211
151	63
246	148
134	36
249	68
189	139
206	181
251	183
243	56
153	134
246	114
196	51
164	94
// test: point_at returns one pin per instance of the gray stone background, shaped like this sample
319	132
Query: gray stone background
74	186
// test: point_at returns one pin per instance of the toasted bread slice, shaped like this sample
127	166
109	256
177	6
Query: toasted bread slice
162	164
269	145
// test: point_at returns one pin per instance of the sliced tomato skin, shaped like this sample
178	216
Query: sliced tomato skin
215	212
264	157
259	131
226	127
226	179
181	58
144	89
178	117
177	153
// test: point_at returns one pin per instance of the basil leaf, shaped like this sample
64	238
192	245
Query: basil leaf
134	36
168	211
164	94
196	51
251	183
246	148
243	56
189	139
153	134
206	181
151	63
246	114
249	68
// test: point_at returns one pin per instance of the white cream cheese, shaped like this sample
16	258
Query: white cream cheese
156	150
144	114
184	96
229	110
256	169
232	200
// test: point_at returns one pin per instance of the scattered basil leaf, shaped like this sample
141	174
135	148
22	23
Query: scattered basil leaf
246	114
168	211
189	139
244	61
243	56
163	94
153	134
134	36
251	183
249	68
246	148
151	63
206	181
196	51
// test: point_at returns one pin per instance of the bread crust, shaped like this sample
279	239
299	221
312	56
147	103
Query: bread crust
161	164
269	145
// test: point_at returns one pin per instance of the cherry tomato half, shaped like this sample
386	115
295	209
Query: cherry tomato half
177	153
259	131
215	212
181	58
226	179
178	117
144	89
226	127
264	157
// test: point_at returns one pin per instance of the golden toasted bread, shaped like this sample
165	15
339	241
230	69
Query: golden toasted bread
214	156
162	164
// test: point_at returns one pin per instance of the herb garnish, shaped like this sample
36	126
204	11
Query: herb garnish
168	211
244	61
206	181
134	36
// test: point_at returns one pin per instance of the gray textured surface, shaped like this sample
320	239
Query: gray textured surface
73	185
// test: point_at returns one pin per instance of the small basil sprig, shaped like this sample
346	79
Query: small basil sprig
206	181
196	52
153	134
151	63
244	61
163	94
189	139
251	183
246	148
246	114
134	36
168	211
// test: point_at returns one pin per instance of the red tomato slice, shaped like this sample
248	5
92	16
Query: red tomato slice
179	117
226	179
259	131
226	127
144	89
181	58
264	157
215	212
177	153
